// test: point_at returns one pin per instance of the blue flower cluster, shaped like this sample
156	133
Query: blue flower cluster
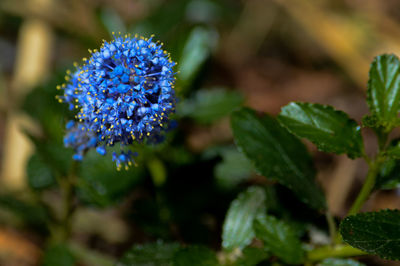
123	93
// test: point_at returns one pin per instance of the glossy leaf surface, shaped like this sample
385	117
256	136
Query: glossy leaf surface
384	90
238	225
331	130
279	238
277	154
374	232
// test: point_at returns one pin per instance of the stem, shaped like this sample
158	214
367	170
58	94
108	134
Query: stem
367	187
332	227
373	170
61	231
69	196
382	139
338	251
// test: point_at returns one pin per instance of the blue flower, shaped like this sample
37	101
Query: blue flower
123	93
79	139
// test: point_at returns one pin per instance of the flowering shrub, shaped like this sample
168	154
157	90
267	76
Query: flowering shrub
124	95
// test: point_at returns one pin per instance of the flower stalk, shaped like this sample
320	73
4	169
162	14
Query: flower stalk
373	170
337	251
61	229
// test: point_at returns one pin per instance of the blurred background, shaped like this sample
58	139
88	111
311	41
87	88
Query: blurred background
261	53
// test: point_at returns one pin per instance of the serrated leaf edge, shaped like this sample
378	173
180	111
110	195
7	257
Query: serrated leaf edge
320	146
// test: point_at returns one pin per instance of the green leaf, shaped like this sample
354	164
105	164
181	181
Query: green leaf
58	255
384	90
277	154
374	232
197	49
53	154
57	156
40	104
389	175
252	256
329	129
394	150
153	254
234	168
238	225
101	184
209	105
340	262
162	21
195	256
370	121
279	239
39	175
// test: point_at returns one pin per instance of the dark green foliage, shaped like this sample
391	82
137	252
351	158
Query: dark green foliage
389	175
58	255
53	153
384	91
41	105
195	256
331	130
233	169
374	232
389	172
101	184
394	150
39	175
277	154
198	48
238	226
153	254
209	105
168	254
279	239
252	256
